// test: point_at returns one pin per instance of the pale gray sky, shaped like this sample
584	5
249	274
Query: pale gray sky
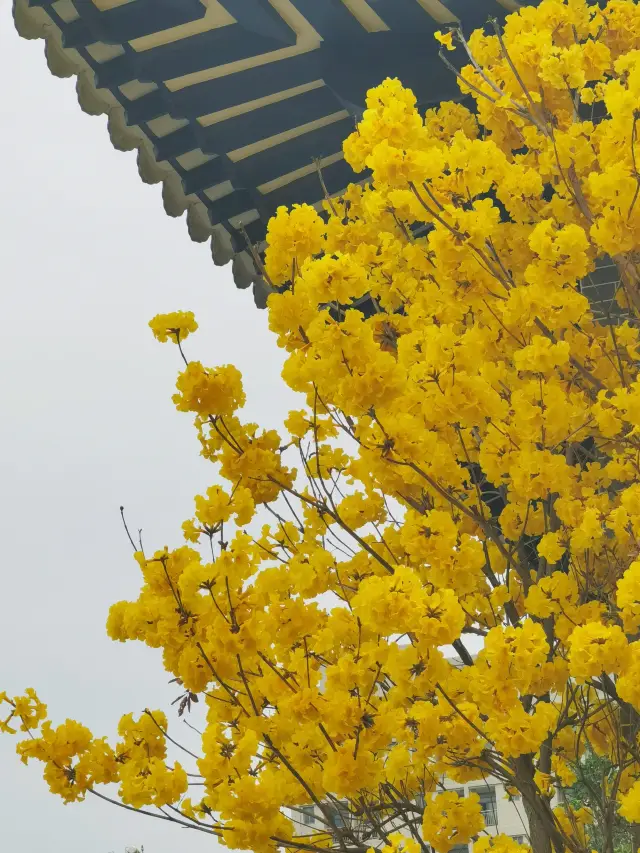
87	257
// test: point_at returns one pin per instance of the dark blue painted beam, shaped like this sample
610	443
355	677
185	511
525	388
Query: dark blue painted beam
336	177
473	14
146	108
130	21
201	52
78	34
387	54
207	175
231	205
198	53
331	19
259	16
267	121
254	231
248	85
174	144
115	72
405	16
294	154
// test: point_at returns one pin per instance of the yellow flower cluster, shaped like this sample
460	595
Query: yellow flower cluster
596	648
450	820
210	393
26	712
433	572
175	326
628	597
630	803
75	762
498	844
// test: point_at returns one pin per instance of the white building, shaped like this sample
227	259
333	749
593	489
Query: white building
502	814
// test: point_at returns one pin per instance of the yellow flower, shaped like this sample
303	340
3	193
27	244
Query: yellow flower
551	548
175	326
449	820
445	39
460	469
209	392
557	593
630	804
293	236
28	710
346	774
596	648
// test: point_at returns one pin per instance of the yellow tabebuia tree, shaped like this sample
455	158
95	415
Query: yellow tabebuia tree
448	585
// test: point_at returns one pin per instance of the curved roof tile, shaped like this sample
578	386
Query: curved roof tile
230	102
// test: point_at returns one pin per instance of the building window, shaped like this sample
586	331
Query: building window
488	804
343	818
519	839
339	814
307	815
420	800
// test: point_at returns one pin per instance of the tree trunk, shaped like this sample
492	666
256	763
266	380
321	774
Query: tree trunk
538	833
543	834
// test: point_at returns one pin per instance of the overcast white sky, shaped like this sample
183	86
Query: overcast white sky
87	257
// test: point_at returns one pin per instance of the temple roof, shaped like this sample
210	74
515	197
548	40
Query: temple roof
231	104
